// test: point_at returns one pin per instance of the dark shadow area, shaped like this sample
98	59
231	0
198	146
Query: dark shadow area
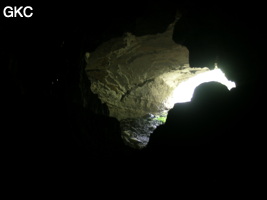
214	118
46	125
198	122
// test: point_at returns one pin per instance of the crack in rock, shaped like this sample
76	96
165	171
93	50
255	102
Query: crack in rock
128	92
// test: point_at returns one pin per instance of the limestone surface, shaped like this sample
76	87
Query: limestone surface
135	76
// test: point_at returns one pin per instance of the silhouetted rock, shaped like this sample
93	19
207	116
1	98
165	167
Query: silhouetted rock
199	122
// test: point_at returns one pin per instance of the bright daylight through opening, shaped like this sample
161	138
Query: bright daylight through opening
184	91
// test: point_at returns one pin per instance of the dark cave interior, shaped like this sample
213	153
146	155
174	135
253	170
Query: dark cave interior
42	60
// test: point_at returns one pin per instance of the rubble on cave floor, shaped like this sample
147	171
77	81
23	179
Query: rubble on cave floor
135	132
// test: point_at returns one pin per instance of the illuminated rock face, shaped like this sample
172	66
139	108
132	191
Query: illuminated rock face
135	76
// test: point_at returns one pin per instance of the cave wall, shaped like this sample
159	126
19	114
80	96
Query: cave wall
210	33
41	49
135	75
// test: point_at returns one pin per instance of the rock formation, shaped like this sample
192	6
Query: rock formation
135	76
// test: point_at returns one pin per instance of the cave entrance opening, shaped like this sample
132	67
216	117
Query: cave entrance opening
185	90
136	132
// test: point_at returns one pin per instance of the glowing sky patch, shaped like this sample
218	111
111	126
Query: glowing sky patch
184	91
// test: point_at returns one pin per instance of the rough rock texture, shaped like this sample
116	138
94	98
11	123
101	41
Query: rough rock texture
135	76
136	132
